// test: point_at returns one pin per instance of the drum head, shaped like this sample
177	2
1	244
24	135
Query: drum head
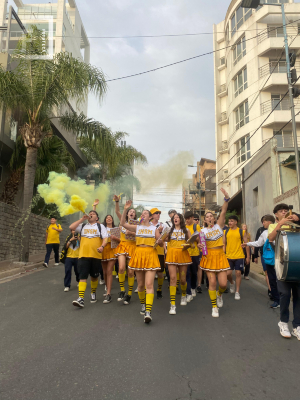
281	256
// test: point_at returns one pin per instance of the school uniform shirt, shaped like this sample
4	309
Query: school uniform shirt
234	250
73	252
177	239
194	251
90	240
213	236
123	236
145	235
53	235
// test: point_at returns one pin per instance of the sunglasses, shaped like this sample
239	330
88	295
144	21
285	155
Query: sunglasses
157	212
196	219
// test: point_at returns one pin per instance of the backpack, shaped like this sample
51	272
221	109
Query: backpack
99	228
195	228
268	253
241	235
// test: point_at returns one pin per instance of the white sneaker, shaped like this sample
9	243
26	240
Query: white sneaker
56	264
166	278
117	276
45	265
66	289
193	292
183	301
296	332
156	276
215	312
232	287
189	298
101	282
105	288
284	329
172	310
237	296
219	301
136	290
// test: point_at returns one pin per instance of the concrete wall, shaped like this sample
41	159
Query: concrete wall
11	235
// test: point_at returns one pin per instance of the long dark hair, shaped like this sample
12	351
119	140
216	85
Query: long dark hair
105	223
128	212
182	226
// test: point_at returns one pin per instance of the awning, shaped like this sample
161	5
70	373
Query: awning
236	201
290	162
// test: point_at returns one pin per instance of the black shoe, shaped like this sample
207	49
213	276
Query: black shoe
143	309
107	299
199	290
147	317
159	294
121	296
127	299
79	302
226	291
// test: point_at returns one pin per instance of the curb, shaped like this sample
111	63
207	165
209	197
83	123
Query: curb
258	277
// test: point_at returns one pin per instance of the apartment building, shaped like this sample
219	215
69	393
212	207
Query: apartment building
250	80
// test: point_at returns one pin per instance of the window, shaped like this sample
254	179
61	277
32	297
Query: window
239	50
241	115
279	102
240	82
284	138
255	197
239	17
239	182
222	61
243	149
277	67
64	32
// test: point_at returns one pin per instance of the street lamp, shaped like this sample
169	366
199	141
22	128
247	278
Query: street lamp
255	4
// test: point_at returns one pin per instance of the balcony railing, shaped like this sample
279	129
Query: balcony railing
223	117
275	67
274	104
273	31
222	88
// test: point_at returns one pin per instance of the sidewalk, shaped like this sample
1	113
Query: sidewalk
256	272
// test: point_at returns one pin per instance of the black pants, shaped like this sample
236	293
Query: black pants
191	275
49	248
285	289
69	263
273	282
247	268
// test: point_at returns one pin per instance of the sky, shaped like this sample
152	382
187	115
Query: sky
165	112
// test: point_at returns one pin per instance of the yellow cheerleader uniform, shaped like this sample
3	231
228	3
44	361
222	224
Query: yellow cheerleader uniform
175	254
216	260
126	247
108	253
145	258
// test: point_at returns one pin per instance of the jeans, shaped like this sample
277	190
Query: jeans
285	290
69	263
273	282
49	248
191	275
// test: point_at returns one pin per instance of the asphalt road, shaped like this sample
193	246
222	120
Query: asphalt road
52	350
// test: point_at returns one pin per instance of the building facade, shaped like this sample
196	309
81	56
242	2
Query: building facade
251	81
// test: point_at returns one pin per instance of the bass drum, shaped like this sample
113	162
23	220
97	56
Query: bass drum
287	256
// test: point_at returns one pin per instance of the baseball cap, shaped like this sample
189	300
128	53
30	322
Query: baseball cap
155	210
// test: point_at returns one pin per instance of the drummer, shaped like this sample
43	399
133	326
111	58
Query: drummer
286	288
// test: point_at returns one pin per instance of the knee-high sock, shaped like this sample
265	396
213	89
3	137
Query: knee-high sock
122	281
130	285
94	285
183	289
173	295
213	297
178	279
81	289
160	282
142	297
149	301
221	291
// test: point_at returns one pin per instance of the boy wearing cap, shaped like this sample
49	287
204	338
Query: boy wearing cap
155	216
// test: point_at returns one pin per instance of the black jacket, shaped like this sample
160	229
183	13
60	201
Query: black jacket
258	249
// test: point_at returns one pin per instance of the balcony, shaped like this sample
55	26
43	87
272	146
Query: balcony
275	68
274	32
224	147
274	104
223	118
222	90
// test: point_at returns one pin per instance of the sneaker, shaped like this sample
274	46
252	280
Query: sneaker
93	298
121	296
156	276
296	332
172	310
247	278
183	301
193	292
117	276
79	302
66	289
232	287
215	312
56	264
147	317
226	291
143	309
107	299
127	299
104	294
45	265
219	301
199	290
159	294
101	281
166	278
284	329
189	298
136	290
237	296
274	305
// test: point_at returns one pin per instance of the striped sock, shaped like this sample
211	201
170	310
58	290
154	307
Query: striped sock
178	279
130	285
94	285
81	289
173	295
221	291
183	289
142	297
122	281
149	301
213	297
160	282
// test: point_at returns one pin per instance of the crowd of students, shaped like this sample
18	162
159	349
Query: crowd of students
148	248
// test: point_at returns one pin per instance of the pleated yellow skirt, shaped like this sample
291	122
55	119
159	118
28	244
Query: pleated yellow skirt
108	253
178	257
144	259
125	249
215	261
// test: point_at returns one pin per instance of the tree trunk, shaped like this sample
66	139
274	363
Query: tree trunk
11	187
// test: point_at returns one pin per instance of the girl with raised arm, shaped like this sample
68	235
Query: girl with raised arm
215	264
145	261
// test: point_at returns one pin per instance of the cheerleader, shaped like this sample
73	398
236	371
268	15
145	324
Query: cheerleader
215	264
108	258
178	258
145	261
124	252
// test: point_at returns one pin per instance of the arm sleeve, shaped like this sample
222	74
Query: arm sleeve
104	232
78	229
260	242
